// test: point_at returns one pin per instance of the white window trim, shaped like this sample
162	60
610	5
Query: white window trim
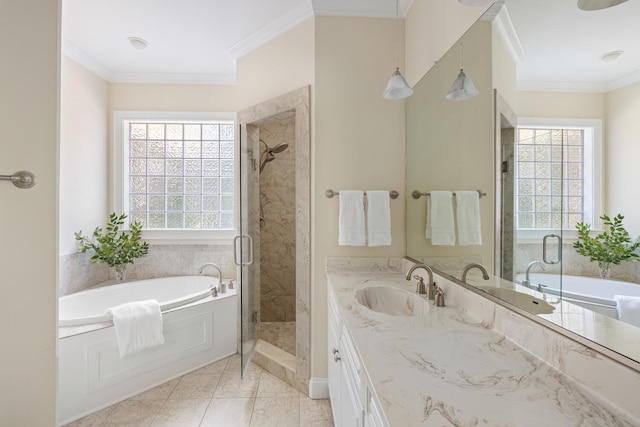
118	195
525	236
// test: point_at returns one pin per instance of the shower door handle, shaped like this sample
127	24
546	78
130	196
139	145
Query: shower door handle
250	249
235	250
544	249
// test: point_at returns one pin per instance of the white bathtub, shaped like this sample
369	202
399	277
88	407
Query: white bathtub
198	329
89	306
593	293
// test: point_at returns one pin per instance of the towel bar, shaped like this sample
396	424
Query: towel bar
21	179
416	194
330	193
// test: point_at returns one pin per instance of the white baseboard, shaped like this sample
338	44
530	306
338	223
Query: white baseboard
319	388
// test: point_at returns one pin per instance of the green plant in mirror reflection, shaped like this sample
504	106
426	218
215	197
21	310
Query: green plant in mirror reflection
611	247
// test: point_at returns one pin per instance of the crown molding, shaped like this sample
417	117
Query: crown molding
87	61
499	15
173	78
272	30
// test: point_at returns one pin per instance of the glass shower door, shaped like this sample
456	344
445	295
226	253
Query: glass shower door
243	247
541	206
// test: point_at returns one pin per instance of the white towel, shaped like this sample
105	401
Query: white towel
351	220
468	218
138	325
440	228
378	218
628	309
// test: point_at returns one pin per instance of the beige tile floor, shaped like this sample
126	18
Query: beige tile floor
280	334
215	395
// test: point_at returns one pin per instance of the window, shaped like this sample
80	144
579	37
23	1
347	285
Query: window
557	176
175	172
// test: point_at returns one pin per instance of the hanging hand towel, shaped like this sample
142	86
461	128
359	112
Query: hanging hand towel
138	326
351	220
378	218
440	227
468	217
628	309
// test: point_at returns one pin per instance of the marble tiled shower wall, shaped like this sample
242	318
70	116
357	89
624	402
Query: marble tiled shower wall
278	235
77	273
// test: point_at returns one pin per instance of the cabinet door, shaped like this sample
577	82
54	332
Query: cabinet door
333	360
350	406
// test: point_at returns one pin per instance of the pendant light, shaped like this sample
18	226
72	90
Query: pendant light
462	88
397	88
598	4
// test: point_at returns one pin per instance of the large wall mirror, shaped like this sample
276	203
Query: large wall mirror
551	140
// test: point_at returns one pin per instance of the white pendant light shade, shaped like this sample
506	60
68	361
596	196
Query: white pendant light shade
463	88
598	4
397	88
475	3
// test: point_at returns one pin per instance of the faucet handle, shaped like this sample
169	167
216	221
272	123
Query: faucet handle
439	299
420	288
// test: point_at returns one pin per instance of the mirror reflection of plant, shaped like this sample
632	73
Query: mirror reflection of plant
612	246
114	247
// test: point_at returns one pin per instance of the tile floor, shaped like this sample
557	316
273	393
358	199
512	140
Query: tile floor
215	395
280	334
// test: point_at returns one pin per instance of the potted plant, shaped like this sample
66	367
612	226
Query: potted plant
115	247
608	247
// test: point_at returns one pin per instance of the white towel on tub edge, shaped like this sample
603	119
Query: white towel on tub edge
138	326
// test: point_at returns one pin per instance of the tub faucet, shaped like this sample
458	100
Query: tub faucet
210	264
480	267
527	282
430	289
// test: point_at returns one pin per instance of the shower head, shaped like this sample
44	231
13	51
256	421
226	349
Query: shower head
279	148
275	150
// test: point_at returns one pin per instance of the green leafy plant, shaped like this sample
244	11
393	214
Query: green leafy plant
613	246
114	247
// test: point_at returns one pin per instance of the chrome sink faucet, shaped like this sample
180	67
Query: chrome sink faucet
431	286
480	267
527	280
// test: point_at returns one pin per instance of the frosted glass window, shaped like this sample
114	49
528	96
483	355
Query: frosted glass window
181	175
550	190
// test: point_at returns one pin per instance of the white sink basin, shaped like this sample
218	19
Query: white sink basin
525	301
392	301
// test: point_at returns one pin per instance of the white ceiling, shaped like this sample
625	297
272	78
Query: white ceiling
199	41
563	45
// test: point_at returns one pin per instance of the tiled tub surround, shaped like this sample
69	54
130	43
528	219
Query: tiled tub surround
466	363
77	273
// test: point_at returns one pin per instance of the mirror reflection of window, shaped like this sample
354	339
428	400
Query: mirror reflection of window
556	175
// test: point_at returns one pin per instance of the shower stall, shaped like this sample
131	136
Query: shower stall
274	240
277	310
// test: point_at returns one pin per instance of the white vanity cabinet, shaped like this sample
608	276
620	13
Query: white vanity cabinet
352	402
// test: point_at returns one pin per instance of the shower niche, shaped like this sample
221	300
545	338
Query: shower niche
277	134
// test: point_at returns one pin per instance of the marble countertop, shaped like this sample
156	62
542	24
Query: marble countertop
446	369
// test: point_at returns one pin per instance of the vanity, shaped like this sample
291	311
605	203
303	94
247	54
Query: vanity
397	360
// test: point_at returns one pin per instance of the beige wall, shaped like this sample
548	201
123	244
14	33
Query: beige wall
359	144
622	155
450	143
29	76
283	64
84	120
560	104
432	27
503	69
